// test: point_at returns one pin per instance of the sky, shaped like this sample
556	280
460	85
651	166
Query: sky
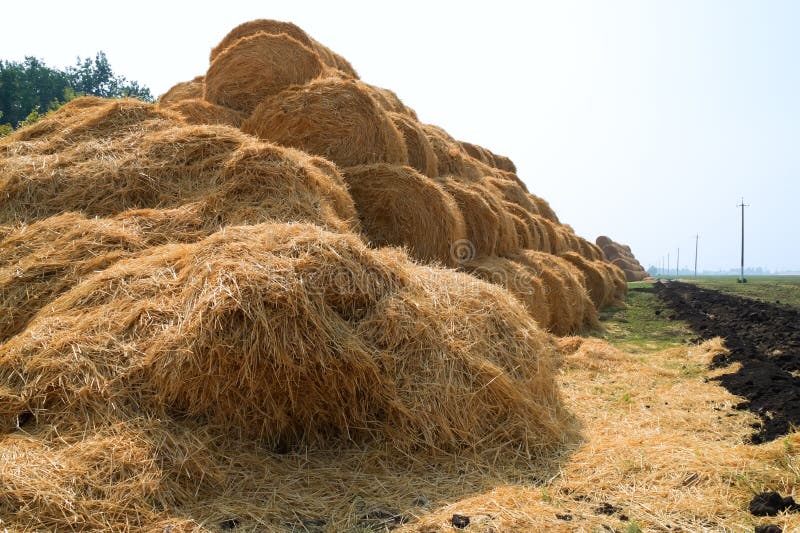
646	121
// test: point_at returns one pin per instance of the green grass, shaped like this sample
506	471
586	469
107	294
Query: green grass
643	325
785	289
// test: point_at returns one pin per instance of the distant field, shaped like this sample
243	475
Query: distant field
785	289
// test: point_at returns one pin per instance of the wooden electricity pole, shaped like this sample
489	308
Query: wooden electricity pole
696	241
678	264
741	271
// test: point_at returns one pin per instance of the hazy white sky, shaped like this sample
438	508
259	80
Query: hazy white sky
644	121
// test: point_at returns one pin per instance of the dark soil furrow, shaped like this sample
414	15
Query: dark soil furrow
763	337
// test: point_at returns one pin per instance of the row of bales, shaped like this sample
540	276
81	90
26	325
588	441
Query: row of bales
277	256
622	257
447	202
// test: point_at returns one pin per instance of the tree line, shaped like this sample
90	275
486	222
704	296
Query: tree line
30	88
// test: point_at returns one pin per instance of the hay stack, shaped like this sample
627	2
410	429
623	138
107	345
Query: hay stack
419	150
198	111
289	334
543	208
398	206
276	27
331	118
159	162
518	279
490	229
258	66
571	309
621	256
185	90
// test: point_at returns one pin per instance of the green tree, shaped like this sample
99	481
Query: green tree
95	77
29	88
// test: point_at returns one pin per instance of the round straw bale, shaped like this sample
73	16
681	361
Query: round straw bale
272	27
389	101
512	192
602	241
398	206
551	237
571	310
618	280
589	250
185	90
504	163
528	230
612	252
451	158
335	119
478	152
598	280
198	111
543	208
419	150
516	278
490	229
276	27
258	66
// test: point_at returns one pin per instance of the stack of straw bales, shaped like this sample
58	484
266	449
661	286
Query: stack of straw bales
170	290
277	256
621	256
279	84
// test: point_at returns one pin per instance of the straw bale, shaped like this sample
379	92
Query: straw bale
552	241
258	66
290	334
420	152
478	152
198	111
276	27
571	310
229	177
512	192
390	102
486	156
490	229
331	118
518	279
504	163
185	90
618	279
543	208
87	118
598	281
401	207
602	241
529	231
452	159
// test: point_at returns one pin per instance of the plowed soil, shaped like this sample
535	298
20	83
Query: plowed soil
763	337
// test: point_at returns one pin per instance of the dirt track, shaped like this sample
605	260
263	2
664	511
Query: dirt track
763	337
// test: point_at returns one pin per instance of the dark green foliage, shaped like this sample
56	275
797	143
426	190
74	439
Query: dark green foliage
31	88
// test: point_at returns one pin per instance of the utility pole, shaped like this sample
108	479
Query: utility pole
678	264
667	264
741	275
696	241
